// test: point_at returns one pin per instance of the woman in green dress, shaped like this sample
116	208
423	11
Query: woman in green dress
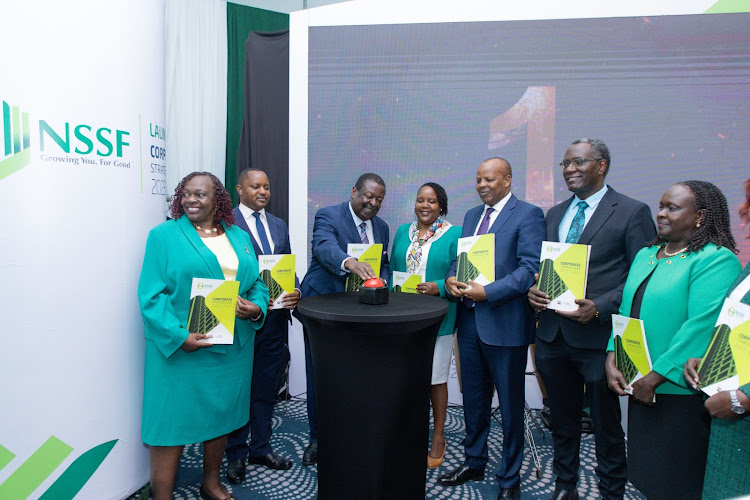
195	391
427	247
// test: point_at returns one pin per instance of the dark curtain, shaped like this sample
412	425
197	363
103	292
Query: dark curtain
258	100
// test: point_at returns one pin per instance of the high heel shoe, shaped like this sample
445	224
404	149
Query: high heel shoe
434	463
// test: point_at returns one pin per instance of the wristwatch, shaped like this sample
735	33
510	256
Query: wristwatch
736	406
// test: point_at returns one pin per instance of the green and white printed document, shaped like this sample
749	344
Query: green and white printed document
726	364
631	350
213	306
476	259
405	282
277	272
363	252
563	273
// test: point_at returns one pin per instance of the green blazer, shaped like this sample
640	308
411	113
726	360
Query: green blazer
680	306
442	252
174	256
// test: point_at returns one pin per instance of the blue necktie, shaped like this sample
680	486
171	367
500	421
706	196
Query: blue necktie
576	227
261	230
363	233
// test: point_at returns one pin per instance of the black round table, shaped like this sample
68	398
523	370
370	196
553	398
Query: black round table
373	368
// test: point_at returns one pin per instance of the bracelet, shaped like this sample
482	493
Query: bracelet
260	315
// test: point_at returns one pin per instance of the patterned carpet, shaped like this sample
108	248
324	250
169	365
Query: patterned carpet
300	482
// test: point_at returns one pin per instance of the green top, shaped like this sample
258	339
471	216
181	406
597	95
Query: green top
680	306
442	253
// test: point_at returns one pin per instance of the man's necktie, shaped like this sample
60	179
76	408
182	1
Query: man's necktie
261	230
576	227
483	228
363	233
485	225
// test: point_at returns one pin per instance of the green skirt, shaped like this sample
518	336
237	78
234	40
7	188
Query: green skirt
192	397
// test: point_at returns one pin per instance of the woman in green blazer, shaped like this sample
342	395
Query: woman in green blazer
727	471
195	391
427	247
676	286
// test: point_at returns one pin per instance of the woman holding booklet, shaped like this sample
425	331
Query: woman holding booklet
727	473
194	390
430	235
676	287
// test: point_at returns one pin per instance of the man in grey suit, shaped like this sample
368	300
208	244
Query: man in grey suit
571	346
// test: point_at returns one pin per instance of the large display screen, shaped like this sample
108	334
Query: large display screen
669	95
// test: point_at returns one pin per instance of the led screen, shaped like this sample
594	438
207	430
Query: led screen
428	102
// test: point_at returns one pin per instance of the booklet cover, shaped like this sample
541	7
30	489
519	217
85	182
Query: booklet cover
277	272
363	252
476	259
726	364
213	306
405	282
631	350
563	273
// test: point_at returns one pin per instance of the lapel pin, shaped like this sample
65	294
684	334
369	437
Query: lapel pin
246	250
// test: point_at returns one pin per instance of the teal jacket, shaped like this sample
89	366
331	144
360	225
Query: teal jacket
174	256
680	306
443	251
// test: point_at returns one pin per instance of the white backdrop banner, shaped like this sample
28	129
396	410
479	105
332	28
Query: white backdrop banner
82	178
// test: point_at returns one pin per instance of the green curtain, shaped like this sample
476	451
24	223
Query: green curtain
241	20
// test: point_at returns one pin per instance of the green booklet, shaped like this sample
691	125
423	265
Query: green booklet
726	364
213	306
277	272
632	357
363	252
563	273
405	282
476	259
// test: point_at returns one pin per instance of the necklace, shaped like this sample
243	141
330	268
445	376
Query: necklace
207	231
668	254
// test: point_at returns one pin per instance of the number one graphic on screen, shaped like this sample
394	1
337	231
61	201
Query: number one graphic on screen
534	113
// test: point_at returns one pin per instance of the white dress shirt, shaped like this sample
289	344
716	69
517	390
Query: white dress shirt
498	207
588	212
247	213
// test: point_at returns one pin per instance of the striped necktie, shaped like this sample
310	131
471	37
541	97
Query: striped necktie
363	233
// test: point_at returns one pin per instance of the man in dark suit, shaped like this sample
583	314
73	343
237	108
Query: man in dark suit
571	346
269	235
354	221
496	326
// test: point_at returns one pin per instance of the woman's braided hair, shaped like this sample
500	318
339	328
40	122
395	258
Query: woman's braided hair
715	226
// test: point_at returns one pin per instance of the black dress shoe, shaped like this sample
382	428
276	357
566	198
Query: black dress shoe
564	494
513	493
236	471
460	475
310	457
272	461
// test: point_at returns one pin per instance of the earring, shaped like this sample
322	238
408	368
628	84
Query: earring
697	224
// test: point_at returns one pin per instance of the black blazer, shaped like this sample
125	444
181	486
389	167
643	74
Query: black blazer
281	245
619	228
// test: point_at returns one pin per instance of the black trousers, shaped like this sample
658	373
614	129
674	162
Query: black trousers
269	349
565	370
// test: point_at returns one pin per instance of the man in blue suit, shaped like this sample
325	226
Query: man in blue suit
354	221
269	235
496	325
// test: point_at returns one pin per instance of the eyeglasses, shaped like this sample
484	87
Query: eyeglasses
578	161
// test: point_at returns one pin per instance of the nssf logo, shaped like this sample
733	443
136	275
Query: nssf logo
86	140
